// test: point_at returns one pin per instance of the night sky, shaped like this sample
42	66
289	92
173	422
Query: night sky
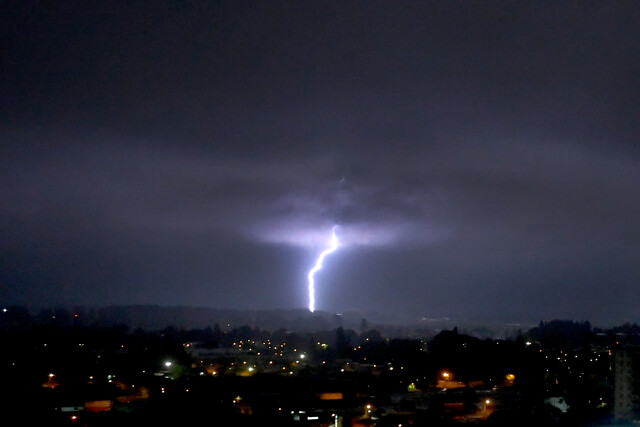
481	158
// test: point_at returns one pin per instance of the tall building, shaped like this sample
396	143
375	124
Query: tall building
626	404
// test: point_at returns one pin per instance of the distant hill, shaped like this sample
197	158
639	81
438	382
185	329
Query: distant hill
153	317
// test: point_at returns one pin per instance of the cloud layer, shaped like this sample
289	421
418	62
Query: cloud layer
479	159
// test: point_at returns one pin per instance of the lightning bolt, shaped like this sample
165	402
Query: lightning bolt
333	245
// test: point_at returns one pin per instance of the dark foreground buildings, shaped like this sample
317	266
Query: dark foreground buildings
627	384
72	373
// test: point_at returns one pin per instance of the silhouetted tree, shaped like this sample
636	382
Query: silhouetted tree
364	325
342	343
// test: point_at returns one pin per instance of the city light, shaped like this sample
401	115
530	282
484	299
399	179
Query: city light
490	392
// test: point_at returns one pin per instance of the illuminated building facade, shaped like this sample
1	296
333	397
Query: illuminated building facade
627	384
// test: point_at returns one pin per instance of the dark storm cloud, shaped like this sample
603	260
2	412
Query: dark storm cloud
479	158
512	208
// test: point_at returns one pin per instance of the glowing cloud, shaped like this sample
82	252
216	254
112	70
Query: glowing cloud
318	266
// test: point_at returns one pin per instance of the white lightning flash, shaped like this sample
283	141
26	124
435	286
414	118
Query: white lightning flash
312	291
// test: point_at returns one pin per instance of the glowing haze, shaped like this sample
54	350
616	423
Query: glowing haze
333	245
